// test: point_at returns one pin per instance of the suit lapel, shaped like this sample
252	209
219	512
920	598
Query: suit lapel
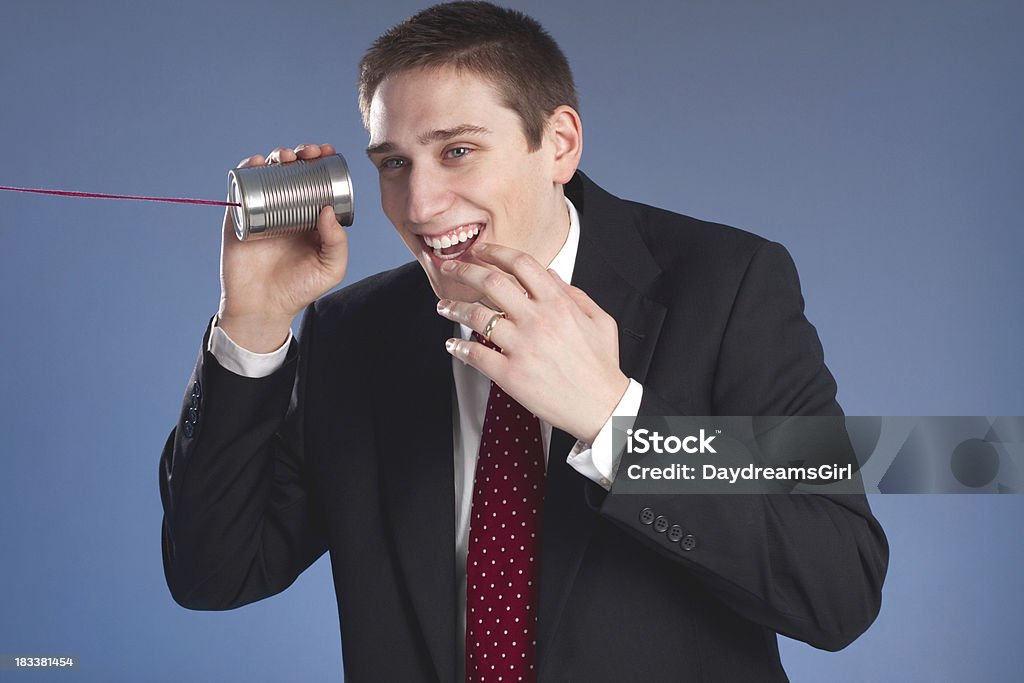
615	269
414	429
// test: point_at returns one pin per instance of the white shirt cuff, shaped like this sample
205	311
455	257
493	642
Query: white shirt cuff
241	361
596	461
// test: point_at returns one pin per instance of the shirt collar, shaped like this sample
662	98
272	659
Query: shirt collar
565	260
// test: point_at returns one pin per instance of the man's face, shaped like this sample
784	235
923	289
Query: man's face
455	169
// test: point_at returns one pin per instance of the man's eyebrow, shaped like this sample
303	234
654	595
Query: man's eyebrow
440	135
446	134
379	148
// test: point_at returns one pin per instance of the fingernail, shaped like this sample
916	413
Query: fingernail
442	305
449	346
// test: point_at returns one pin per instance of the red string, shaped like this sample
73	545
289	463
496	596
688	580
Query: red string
96	195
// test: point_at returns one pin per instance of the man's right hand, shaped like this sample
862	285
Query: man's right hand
265	283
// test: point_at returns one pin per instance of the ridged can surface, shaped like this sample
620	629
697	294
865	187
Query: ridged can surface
283	199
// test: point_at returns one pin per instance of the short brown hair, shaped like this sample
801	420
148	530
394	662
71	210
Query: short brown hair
509	48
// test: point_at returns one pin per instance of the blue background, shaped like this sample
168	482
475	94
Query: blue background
881	142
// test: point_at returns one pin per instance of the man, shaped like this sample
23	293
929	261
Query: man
379	434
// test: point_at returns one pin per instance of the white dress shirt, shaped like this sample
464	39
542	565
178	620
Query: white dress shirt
594	461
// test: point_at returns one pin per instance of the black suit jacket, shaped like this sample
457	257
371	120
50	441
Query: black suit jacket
348	448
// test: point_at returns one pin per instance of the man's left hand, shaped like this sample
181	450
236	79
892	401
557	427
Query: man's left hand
559	352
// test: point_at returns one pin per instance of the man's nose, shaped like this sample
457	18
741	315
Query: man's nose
428	195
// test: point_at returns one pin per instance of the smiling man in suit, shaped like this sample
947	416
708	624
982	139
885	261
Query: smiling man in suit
462	405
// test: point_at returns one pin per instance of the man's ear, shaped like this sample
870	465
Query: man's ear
565	133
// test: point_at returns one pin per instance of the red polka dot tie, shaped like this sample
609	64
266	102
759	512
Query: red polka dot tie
504	545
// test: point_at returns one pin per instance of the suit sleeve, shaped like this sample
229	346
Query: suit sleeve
239	518
808	566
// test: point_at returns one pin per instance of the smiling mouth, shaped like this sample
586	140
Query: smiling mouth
453	244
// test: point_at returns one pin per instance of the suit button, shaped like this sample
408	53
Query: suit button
197	389
675	533
647	516
661	524
689	542
189	430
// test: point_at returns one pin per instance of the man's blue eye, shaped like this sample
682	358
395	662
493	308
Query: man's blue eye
393	163
457	152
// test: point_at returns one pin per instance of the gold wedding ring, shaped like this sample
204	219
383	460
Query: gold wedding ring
489	327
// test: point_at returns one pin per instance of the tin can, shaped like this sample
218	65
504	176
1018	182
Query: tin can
284	199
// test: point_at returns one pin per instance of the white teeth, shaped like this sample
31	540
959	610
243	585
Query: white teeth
463	235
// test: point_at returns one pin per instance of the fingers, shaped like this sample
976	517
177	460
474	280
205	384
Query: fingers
308	151
281	155
488	361
332	236
493	285
255	160
477	317
530	274
305	151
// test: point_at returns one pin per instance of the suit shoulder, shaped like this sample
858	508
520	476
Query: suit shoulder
689	250
678	239
637	238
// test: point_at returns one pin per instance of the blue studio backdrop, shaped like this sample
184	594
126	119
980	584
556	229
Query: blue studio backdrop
879	141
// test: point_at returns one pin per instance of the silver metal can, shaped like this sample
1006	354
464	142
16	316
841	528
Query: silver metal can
283	199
